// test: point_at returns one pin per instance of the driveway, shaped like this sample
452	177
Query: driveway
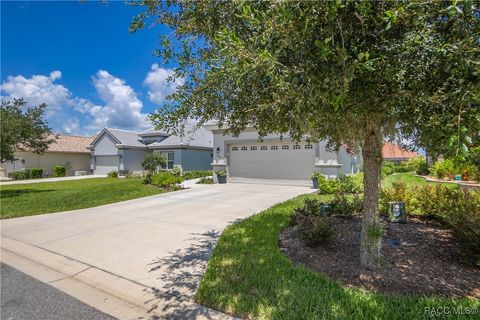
149	251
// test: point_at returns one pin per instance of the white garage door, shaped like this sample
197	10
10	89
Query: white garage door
106	164
272	160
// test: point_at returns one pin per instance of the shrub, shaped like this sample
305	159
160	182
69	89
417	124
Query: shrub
343	205
148	178
166	179
176	171
388	168
20	175
196	174
310	207
443	169
470	172
112	174
60	171
327	186
423	169
36	173
152	162
221	173
415	163
351	183
205	180
316	230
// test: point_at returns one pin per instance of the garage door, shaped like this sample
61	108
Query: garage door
106	164
272	160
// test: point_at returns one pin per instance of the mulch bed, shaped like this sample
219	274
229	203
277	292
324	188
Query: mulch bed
420	258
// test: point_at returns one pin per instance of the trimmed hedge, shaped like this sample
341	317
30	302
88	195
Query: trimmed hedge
196	174
60	171
20	175
166	179
36	173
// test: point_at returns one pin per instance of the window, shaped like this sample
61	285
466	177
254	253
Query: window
285	147
296	146
234	148
244	148
308	146
253	148
168	156
263	148
273	148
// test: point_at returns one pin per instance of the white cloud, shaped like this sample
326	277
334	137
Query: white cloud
38	89
122	107
69	114
158	84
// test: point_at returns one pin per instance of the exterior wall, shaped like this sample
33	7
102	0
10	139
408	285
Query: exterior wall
193	159
331	164
132	159
48	160
105	147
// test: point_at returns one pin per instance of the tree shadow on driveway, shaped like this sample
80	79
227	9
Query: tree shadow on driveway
181	272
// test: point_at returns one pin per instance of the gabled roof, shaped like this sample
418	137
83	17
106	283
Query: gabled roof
199	138
126	137
393	151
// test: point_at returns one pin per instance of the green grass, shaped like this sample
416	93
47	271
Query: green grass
411	180
31	199
248	276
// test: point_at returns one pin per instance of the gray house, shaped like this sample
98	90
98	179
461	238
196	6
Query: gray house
123	150
277	158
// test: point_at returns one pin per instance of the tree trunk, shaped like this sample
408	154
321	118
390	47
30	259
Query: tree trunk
371	237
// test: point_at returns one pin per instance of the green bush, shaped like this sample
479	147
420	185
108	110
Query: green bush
36	173
112	174
205	180
423	169
351	183
327	186
470	172
196	174
346	206
152	162
60	171
388	168
443	169
166	179
176	171
316	230
20	175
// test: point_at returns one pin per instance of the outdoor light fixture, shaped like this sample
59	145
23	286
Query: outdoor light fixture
217	150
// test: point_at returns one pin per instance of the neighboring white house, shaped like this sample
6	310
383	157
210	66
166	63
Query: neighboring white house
66	150
276	158
123	150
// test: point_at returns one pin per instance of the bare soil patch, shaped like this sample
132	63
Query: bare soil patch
420	258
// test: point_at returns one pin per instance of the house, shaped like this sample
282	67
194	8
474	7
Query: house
123	150
66	150
277	158
393	152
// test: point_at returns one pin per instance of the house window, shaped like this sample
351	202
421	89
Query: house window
285	147
234	148
244	148
308	146
297	146
273	148
253	148
168	156
263	148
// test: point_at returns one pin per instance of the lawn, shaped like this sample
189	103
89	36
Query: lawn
248	276
410	179
31	199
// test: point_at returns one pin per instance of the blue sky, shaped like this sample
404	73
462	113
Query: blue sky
80	59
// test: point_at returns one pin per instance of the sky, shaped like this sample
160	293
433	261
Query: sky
80	59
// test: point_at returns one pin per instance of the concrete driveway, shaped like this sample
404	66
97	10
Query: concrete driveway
148	253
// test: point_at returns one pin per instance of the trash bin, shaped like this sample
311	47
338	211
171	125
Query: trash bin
396	212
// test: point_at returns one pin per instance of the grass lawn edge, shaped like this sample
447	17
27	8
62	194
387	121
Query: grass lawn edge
248	276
